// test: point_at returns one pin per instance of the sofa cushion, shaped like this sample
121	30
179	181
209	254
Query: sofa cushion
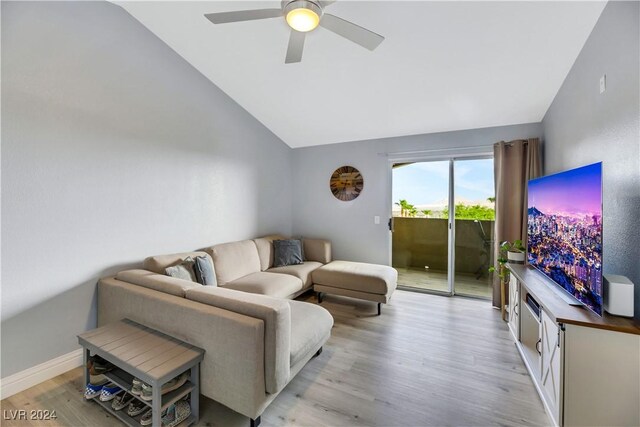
159	263
158	282
182	270
205	274
287	252
276	315
310	325
317	250
265	250
301	271
234	260
264	283
357	276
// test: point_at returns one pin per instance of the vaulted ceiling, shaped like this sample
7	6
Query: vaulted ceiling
443	65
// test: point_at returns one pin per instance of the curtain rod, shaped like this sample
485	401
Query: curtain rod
439	150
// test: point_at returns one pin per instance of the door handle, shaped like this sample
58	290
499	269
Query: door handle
390	224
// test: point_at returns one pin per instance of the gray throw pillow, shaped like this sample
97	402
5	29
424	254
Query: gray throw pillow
304	258
182	270
287	252
204	271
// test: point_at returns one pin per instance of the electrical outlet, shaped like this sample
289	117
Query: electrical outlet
376	220
603	83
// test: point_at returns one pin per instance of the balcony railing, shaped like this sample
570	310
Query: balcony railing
421	244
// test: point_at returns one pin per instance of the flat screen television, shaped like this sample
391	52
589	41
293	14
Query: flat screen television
564	231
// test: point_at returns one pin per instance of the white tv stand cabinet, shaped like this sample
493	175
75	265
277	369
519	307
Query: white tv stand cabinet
585	368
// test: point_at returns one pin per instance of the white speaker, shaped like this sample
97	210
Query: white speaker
618	295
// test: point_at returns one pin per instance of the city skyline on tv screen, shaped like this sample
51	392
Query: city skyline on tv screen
564	231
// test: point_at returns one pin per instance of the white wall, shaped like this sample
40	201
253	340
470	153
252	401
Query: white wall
350	225
583	126
113	148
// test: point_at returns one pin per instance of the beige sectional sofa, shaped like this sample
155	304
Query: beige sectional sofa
255	337
254	344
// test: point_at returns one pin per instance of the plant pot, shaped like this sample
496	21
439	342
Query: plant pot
515	257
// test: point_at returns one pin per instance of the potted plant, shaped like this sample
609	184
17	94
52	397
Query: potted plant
508	252
515	251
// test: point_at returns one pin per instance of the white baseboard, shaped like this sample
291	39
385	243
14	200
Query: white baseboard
45	371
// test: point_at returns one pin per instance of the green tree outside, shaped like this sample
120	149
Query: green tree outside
472	212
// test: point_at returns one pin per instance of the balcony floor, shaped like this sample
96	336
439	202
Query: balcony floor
465	284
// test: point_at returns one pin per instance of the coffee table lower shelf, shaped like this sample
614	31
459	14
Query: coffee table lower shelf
134	421
124	380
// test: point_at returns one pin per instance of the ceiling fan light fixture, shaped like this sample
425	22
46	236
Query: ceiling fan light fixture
303	15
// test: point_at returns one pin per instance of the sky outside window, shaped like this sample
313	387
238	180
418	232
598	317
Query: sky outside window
426	184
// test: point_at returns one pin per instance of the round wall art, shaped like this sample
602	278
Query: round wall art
346	183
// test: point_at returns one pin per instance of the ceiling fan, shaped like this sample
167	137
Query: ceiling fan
303	16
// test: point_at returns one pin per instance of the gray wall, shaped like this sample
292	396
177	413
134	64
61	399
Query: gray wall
113	148
350	225
583	126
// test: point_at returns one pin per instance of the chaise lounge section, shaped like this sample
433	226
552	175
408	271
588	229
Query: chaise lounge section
371	282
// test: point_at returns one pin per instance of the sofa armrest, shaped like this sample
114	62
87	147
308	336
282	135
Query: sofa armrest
318	250
276	315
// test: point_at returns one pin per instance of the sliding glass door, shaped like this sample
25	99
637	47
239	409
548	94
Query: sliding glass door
474	207
420	235
431	251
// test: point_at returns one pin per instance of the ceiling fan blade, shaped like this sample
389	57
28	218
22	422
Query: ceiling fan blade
242	15
296	44
349	30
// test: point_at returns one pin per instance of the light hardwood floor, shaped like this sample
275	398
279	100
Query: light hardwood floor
427	360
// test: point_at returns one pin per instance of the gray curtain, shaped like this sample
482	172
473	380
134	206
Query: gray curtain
515	163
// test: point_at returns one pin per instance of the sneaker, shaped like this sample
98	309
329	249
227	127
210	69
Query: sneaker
147	418
136	387
110	391
93	390
98	379
136	407
176	414
97	365
177	382
121	401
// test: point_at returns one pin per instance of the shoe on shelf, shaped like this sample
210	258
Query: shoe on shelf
136	387
110	391
98	379
177	382
93	390
147	418
121	401
176	414
97	365
136	407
